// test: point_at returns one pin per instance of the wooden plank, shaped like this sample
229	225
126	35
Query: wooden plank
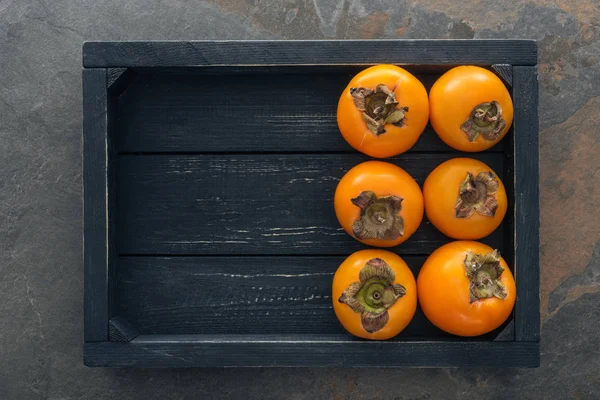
253	204
243	295
95	231
302	351
224	295
509	184
527	222
186	111
112	192
287	52
508	223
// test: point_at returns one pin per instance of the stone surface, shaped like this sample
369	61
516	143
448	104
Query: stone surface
41	186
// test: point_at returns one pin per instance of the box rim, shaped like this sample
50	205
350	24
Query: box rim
98	56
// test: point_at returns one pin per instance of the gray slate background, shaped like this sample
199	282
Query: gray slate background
41	187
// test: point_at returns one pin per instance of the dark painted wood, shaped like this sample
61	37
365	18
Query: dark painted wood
118	79
284	111
225	295
505	72
302	351
508	225
527	222
507	332
112	74
509	185
223	71
121	330
244	295
205	53
221	181
253	204
112	192
94	205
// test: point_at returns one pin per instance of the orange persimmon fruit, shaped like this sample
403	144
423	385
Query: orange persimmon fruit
378	204
465	288
470	108
464	199
374	294
383	111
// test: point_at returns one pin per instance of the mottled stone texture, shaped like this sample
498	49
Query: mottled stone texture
41	208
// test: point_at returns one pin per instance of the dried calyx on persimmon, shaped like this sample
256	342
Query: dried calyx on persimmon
379	217
485	120
483	271
379	107
477	194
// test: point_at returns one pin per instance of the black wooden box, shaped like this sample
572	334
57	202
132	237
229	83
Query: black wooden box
210	237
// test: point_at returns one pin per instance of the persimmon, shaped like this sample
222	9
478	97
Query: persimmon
383	111
464	199
379	204
470	108
374	294
466	288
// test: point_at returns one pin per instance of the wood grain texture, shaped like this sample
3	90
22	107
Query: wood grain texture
277	110
206	53
253	204
505	72
302	351
508	223
121	330
226	295
112	192
95	229
527	218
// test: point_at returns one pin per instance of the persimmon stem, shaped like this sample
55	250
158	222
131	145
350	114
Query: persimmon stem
373	294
